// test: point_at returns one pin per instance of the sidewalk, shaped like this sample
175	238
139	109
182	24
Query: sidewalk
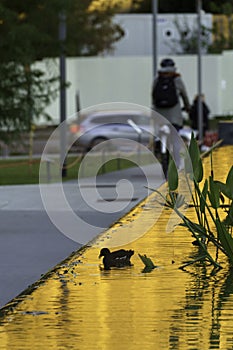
30	244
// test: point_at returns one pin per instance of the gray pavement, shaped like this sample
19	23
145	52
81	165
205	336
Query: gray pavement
39	232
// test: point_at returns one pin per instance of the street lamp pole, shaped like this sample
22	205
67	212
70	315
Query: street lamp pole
154	35
62	38
200	107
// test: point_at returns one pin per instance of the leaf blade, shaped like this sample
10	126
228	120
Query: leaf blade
172	175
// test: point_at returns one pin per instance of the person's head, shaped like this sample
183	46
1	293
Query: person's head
167	65
167	62
202	97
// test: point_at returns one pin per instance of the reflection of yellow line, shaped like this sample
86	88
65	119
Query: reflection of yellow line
79	303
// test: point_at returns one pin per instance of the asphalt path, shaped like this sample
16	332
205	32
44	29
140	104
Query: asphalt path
34	238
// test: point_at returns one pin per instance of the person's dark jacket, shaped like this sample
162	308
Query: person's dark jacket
173	114
193	114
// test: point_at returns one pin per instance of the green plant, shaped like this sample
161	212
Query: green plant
149	265
212	200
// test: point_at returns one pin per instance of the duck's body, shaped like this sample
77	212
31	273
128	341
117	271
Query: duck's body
118	258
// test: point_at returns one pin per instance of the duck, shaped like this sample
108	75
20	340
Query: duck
118	258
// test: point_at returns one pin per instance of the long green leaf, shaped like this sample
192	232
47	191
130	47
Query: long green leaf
229	183
227	188
225	239
194	153
203	197
229	180
198	172
229	218
227	191
172	175
209	257
214	193
194	227
180	200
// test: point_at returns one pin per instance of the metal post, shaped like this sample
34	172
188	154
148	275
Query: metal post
62	38
200	109
155	56
154	36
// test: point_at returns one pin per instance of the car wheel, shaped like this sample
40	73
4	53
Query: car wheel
97	141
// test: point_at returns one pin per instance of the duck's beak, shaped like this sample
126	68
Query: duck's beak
100	255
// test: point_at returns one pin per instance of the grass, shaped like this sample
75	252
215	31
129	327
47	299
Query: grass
19	172
24	171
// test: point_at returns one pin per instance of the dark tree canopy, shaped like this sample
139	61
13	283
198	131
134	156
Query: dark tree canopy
29	32
29	29
182	6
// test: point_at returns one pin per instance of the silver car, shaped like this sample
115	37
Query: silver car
100	126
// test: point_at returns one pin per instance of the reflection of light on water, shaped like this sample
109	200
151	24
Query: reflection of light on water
87	308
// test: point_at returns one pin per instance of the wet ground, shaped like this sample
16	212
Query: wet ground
80	306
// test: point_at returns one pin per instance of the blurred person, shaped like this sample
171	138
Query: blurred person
167	92
193	114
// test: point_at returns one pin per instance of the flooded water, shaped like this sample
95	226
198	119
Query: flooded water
81	306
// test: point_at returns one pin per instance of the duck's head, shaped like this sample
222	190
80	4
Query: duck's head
104	252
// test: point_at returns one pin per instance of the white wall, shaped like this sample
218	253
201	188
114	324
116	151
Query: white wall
226	83
129	79
138	32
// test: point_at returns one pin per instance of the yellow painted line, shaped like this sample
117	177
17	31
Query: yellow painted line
78	305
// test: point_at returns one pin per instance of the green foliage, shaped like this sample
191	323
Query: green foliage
29	32
197	167
149	265
229	180
29	29
203	197
227	188
24	93
168	6
174	200
225	239
229	218
208	201
172	175
188	38
219	6
182	6
222	38
195	228
214	193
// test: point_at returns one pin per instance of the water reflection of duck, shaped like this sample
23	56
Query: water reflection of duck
118	258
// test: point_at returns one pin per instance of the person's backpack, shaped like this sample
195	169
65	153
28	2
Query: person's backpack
164	93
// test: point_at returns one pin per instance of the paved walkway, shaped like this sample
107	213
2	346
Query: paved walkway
30	244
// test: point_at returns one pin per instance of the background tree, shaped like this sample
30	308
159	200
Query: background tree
29	32
181	6
168	6
187	40
222	26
